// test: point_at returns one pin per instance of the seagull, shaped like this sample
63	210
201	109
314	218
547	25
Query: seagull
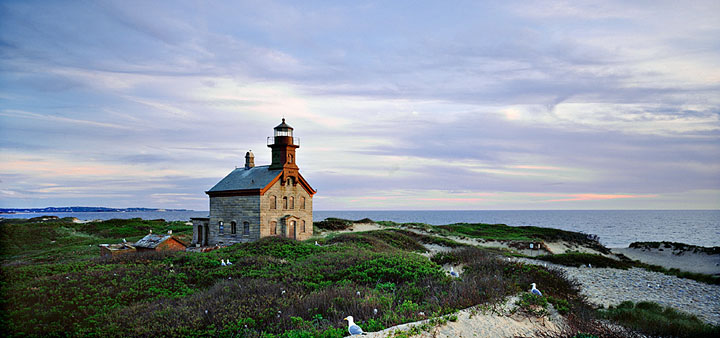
374	312
222	262
124	241
316	243
535	291
453	272
352	328
357	293
283	292
228	262
589	265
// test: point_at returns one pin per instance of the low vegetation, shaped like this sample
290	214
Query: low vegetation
578	259
335	224
675	247
54	283
654	319
502	232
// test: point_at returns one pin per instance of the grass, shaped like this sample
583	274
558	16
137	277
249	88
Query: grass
653	319
675	247
275	288
53	282
502	232
333	224
577	259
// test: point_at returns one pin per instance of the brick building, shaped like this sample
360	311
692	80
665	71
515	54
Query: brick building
254	202
154	242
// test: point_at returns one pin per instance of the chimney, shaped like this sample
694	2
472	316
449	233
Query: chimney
249	160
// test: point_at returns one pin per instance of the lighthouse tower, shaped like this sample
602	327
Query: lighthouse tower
283	146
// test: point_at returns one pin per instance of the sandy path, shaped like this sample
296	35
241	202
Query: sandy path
497	323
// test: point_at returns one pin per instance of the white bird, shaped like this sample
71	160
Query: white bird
535	291
222	262
357	293
316	243
282	292
374	312
453	272
352	328
589	265
124	241
228	262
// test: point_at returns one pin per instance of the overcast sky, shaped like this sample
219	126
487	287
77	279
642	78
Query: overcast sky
397	104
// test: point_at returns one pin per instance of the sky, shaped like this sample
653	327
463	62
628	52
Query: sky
398	105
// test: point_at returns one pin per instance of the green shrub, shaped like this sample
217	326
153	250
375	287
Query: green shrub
654	319
577	259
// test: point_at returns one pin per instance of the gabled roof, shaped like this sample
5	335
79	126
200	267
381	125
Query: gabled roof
247	179
151	241
255	180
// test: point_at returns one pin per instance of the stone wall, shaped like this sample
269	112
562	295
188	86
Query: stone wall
238	209
281	214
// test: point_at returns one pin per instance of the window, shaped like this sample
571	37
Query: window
221	227
292	202
290	158
273	202
302	226
246	228
233	227
273	228
302	202
285	202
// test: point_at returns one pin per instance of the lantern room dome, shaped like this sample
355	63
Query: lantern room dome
283	129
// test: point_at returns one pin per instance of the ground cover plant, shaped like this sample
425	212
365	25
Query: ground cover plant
654	319
276	287
578	259
503	232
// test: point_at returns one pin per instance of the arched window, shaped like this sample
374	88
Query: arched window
233	227
291	200
246	228
273	202
285	205
273	228
302	226
302	202
221	228
290	158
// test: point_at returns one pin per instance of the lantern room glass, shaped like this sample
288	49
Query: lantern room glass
283	132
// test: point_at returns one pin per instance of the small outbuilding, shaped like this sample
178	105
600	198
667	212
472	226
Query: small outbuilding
154	242
112	250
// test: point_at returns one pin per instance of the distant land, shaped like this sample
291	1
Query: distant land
81	209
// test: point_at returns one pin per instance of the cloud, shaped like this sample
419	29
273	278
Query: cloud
396	106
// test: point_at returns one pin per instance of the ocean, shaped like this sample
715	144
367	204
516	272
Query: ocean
616	228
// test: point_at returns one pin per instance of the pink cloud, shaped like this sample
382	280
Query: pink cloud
596	197
454	199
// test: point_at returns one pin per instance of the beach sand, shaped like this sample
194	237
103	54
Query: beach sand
499	322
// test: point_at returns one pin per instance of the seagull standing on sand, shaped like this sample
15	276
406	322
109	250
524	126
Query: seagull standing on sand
453	272
222	262
352	328
535	291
